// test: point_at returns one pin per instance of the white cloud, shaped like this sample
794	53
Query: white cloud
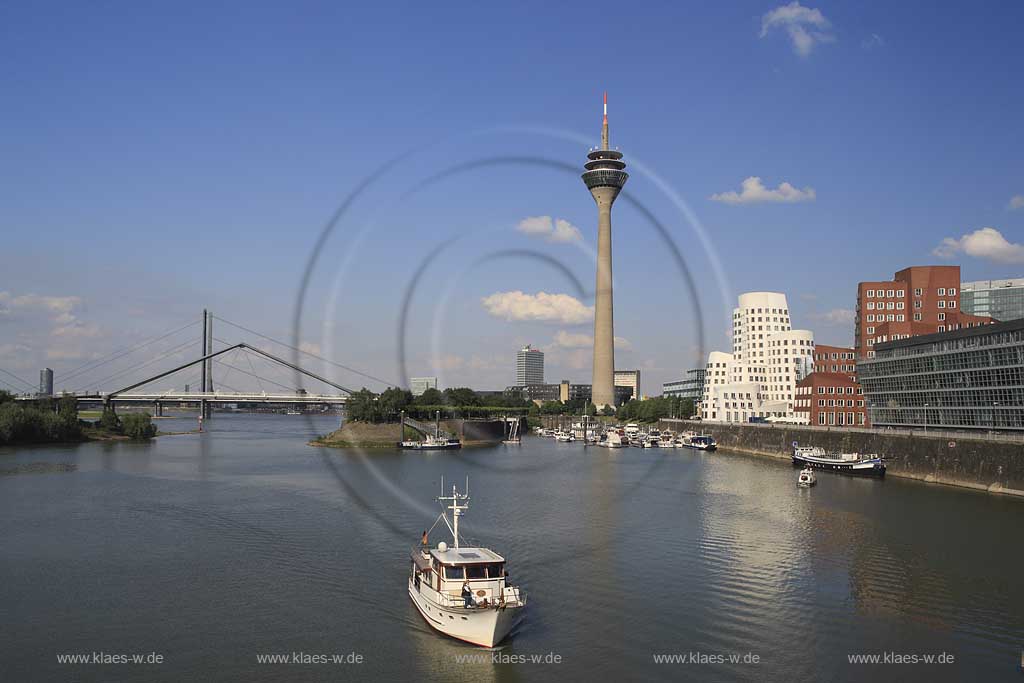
76	328
986	243
551	229
1017	202
753	190
805	26
838	316
544	307
872	41
60	307
570	340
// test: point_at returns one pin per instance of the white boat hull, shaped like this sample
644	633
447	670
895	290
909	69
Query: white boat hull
485	627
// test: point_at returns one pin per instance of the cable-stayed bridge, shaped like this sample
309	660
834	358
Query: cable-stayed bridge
141	374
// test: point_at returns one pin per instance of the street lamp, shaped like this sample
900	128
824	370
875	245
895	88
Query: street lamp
926	418
995	404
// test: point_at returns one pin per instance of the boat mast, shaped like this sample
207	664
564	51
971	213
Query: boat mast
456	508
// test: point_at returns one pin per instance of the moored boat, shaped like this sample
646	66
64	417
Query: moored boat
432	443
702	442
868	464
612	440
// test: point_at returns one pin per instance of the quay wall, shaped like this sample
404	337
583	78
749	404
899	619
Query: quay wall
975	462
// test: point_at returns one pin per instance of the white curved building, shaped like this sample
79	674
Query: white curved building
758	379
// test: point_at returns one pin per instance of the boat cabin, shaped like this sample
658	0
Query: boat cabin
446	570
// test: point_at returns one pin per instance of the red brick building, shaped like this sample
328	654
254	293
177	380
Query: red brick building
831	396
831	399
841	359
918	300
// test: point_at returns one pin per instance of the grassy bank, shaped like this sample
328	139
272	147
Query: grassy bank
361	435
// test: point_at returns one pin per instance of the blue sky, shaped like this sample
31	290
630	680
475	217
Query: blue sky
156	160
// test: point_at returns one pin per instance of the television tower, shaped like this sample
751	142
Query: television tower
604	178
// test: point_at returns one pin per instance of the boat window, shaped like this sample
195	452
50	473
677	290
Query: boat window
495	571
454	573
476	571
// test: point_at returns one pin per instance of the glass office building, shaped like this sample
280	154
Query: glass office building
1000	299
971	378
692	387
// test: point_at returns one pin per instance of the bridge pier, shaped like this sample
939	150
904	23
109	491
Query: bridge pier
158	409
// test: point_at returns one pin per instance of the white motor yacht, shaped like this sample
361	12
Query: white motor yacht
460	591
806	478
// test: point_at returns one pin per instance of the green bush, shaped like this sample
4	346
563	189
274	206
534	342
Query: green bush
138	426
27	423
109	421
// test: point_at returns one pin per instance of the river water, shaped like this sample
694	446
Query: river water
211	550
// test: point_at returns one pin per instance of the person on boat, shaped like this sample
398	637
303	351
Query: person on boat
467	595
423	541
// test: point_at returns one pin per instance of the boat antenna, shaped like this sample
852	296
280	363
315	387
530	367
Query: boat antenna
456	498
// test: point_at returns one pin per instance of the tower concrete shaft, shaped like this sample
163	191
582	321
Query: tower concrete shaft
604	178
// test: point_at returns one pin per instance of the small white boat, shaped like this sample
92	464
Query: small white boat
806	478
612	440
463	592
564	436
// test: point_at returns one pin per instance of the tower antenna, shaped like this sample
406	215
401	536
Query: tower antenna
604	126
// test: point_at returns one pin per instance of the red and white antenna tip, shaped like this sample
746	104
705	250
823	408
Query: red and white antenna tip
606	105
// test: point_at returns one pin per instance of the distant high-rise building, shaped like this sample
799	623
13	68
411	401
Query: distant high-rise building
629	378
46	382
759	377
529	366
918	300
1001	299
418	385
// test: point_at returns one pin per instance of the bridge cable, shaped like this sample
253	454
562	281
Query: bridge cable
96	363
248	357
313	355
253	368
16	389
143	365
234	357
31	386
246	372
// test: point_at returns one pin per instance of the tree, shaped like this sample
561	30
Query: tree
552	408
461	397
607	411
430	397
362	406
109	420
138	426
392	402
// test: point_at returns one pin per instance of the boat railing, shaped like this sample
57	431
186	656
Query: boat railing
512	596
